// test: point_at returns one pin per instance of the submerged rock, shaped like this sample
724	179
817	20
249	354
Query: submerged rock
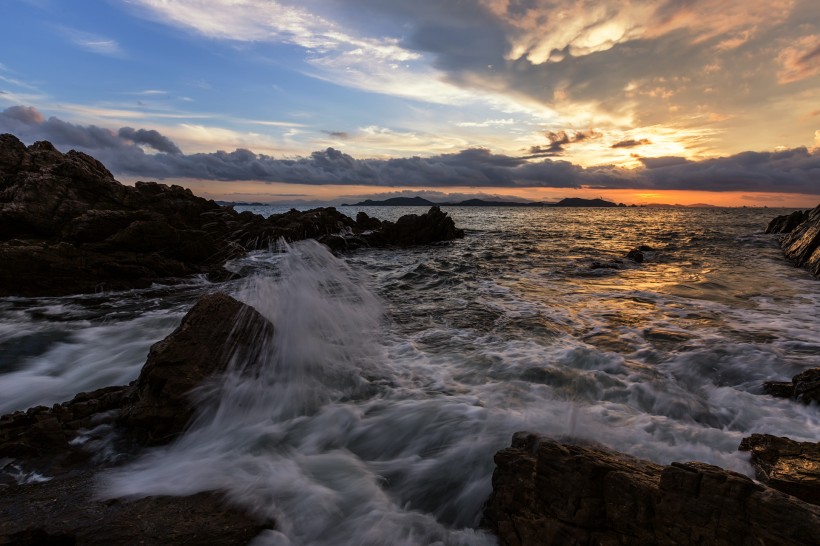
802	241
786	465
546	492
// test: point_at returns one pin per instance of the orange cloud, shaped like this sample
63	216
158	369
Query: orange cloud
800	61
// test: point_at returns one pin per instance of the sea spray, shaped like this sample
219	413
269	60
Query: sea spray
387	435
272	433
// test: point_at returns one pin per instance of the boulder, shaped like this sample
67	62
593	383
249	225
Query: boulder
546	492
219	332
804	387
414	229
801	244
787	222
155	408
786	465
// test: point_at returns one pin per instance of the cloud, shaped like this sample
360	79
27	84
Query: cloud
794	170
631	143
342	135
149	137
801	60
94	43
559	141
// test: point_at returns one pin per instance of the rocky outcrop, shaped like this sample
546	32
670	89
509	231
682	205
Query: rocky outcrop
156	407
64	511
787	222
217	332
60	443
546	492
786	465
801	243
413	229
804	387
67	226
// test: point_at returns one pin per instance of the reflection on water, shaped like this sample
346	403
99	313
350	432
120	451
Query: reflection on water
398	373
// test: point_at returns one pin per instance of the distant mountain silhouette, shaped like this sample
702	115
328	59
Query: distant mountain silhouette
394	202
578	202
421	202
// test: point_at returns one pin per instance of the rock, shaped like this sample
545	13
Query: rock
635	255
546	492
157	406
788	466
787	222
413	229
804	387
801	244
67	226
218	331
366	222
65	511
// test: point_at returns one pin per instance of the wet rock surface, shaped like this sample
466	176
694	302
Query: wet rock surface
68	441
65	512
801	243
786	465
804	387
547	492
67	226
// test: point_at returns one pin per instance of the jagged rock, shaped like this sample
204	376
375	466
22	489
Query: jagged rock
546	492
801	244
218	331
787	222
154	409
67	226
804	387
635	255
65	512
412	229
786	465
157	406
366	222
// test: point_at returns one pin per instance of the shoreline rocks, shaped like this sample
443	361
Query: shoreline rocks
67	443
788	466
547	492
804	387
67	226
801	243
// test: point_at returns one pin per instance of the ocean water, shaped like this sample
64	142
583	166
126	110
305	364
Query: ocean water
394	375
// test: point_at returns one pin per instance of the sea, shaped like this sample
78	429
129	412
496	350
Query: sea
394	375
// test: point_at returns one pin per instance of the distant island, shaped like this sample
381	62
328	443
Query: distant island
421	202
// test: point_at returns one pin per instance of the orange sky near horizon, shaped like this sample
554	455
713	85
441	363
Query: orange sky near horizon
293	193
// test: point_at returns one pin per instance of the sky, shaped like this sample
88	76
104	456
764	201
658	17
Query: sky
636	101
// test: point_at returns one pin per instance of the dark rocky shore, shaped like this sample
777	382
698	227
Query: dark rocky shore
67	226
801	241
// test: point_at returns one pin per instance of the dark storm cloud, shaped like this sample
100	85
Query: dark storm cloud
29	124
791	171
342	135
631	143
149	137
558	143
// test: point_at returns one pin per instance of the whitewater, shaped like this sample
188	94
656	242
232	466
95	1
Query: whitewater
393	376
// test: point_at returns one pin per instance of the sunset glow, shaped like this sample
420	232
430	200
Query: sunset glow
696	102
